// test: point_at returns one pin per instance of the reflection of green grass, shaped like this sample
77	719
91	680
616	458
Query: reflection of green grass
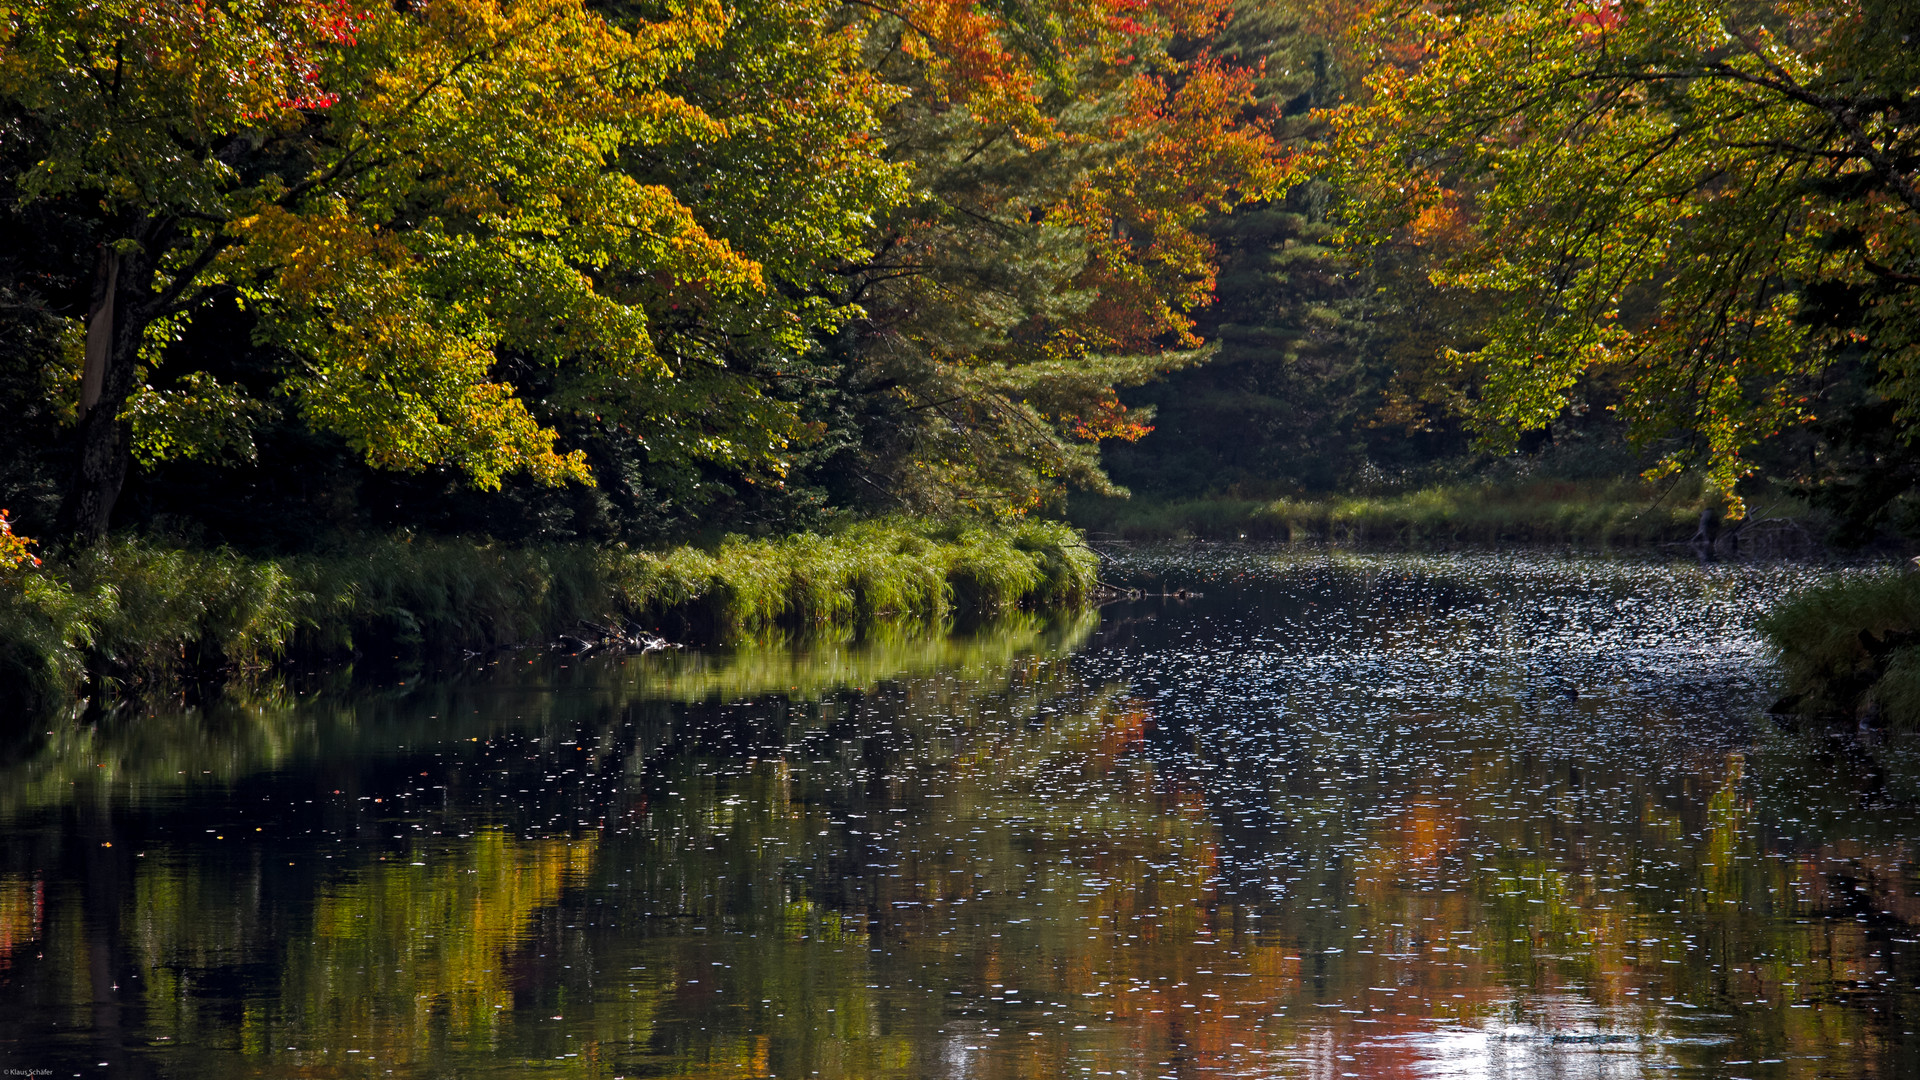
144	755
1565	511
134	615
807	669
246	735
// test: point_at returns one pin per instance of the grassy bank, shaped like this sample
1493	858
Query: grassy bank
135	616
1850	650
1610	513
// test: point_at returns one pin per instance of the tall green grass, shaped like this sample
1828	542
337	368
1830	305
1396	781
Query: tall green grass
1851	649
133	616
1611	513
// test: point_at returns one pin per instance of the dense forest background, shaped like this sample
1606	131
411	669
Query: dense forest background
276	273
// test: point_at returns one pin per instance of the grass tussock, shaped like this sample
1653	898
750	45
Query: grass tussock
1617	513
134	616
1851	649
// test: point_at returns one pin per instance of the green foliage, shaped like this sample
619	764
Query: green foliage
450	231
753	257
132	616
1707	202
1851	648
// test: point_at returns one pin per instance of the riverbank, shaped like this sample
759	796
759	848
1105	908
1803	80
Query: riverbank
136	617
1591	513
1850	650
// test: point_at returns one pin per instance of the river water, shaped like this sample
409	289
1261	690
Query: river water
1335	816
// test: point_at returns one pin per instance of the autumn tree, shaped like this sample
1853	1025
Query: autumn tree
1063	158
1290	398
1708	203
401	196
683	252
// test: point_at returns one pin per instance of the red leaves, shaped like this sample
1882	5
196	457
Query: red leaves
1600	17
270	56
15	551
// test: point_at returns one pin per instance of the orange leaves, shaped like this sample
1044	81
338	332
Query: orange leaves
1000	60
1200	155
962	47
1107	420
1067	162
16	552
1190	154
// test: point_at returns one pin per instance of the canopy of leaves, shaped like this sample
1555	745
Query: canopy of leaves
1707	201
676	250
1065	158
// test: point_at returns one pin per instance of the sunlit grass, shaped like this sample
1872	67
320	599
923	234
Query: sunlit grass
1599	513
133	615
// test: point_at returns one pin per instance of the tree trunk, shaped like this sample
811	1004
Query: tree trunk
116	322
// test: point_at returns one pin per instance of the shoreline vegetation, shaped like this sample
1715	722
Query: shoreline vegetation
136	617
133	617
1610	513
1850	651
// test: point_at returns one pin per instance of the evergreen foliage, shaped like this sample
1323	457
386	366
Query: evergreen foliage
1305	392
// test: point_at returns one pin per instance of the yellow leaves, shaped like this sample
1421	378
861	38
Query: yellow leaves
314	255
1633	194
1438	221
468	196
409	387
689	26
404	375
666	232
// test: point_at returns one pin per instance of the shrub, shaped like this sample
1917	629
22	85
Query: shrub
1851	648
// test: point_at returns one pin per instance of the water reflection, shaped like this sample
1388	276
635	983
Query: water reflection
1388	817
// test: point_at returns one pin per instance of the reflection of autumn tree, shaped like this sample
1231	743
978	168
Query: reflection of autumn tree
1025	808
1463	903
403	958
411	951
22	910
880	877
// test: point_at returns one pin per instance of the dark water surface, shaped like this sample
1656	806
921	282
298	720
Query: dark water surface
1336	817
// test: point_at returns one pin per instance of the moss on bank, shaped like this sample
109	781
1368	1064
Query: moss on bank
134	616
1850	649
1606	514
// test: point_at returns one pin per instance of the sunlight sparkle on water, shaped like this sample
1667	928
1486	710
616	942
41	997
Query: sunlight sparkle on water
1452	816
